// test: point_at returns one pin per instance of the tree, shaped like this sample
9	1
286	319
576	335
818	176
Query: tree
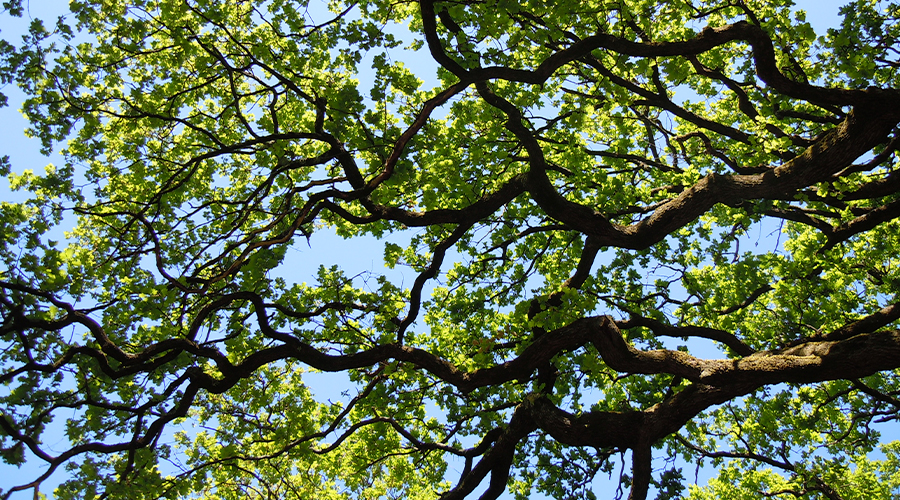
638	230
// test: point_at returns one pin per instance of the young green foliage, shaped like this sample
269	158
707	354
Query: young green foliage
617	236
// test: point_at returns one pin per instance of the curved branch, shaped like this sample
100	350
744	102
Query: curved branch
863	223
661	329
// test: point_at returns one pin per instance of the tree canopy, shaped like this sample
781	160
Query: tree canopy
638	236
